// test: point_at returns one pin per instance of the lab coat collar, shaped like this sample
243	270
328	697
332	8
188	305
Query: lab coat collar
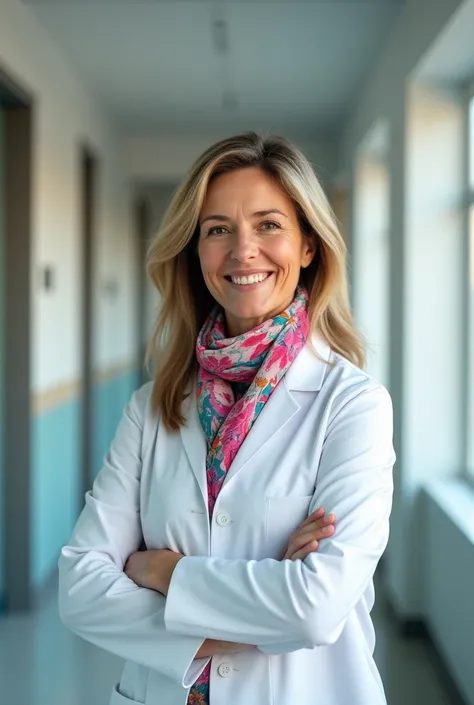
307	372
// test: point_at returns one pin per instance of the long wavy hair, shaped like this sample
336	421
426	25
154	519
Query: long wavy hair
174	268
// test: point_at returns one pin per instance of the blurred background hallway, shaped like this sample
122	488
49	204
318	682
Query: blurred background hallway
104	105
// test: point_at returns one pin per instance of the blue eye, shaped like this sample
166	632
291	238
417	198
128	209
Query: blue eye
272	224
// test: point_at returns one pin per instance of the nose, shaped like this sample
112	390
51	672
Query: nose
244	245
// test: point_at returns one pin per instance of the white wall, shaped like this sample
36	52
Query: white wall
449	578
65	117
432	424
371	261
385	98
433	282
431	548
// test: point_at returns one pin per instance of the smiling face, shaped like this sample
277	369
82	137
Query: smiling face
251	247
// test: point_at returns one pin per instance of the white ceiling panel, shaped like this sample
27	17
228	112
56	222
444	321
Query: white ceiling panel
288	65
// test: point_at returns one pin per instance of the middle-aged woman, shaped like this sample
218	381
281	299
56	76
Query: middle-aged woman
196	557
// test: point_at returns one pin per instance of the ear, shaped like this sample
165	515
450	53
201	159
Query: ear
308	250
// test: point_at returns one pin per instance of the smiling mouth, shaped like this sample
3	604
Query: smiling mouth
250	279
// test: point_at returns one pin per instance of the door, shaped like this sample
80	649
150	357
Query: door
88	167
15	472
150	206
2	370
143	232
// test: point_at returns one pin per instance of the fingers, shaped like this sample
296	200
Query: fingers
308	534
318	514
322	527
315	528
317	532
303	552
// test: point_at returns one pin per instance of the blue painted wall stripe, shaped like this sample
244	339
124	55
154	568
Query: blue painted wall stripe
109	402
55	478
56	467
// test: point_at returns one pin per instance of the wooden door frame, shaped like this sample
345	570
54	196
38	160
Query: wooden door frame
18	122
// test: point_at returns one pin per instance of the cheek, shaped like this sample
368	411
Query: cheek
210	259
286	254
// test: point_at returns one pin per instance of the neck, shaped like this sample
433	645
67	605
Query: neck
238	326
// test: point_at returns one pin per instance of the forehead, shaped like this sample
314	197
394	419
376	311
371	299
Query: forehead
244	189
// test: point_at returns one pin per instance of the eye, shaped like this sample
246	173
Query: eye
217	230
270	225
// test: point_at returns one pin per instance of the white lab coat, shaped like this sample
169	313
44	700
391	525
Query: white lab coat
323	439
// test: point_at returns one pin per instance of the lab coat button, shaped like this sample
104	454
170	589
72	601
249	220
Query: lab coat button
223	519
224	670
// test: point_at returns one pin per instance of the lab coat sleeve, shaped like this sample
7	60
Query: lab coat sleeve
96	599
287	605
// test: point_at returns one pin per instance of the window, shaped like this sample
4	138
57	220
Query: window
470	385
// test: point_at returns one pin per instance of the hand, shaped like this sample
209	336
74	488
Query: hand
214	647
152	569
306	539
303	542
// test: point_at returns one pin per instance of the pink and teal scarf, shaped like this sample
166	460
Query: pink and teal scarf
236	378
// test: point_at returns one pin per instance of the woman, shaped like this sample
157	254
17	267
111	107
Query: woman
257	421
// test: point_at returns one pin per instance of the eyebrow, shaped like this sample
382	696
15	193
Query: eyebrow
258	214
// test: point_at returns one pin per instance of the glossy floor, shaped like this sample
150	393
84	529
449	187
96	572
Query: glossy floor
41	663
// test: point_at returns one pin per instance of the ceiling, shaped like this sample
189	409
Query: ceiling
450	59
193	66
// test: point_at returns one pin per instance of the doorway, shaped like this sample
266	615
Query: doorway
15	296
88	201
151	202
143	232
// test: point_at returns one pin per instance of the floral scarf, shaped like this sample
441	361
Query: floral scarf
236	378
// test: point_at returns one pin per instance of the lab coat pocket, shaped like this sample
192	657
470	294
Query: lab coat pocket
118	699
284	516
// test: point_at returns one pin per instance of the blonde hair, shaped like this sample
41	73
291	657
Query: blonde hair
174	268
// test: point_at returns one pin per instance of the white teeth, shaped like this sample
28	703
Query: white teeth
252	279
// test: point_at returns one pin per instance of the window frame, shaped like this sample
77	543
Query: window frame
468	400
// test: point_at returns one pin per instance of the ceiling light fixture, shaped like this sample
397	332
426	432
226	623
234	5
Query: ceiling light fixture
220	35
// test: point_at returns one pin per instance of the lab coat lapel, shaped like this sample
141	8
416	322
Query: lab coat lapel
278	410
305	374
276	413
195	443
